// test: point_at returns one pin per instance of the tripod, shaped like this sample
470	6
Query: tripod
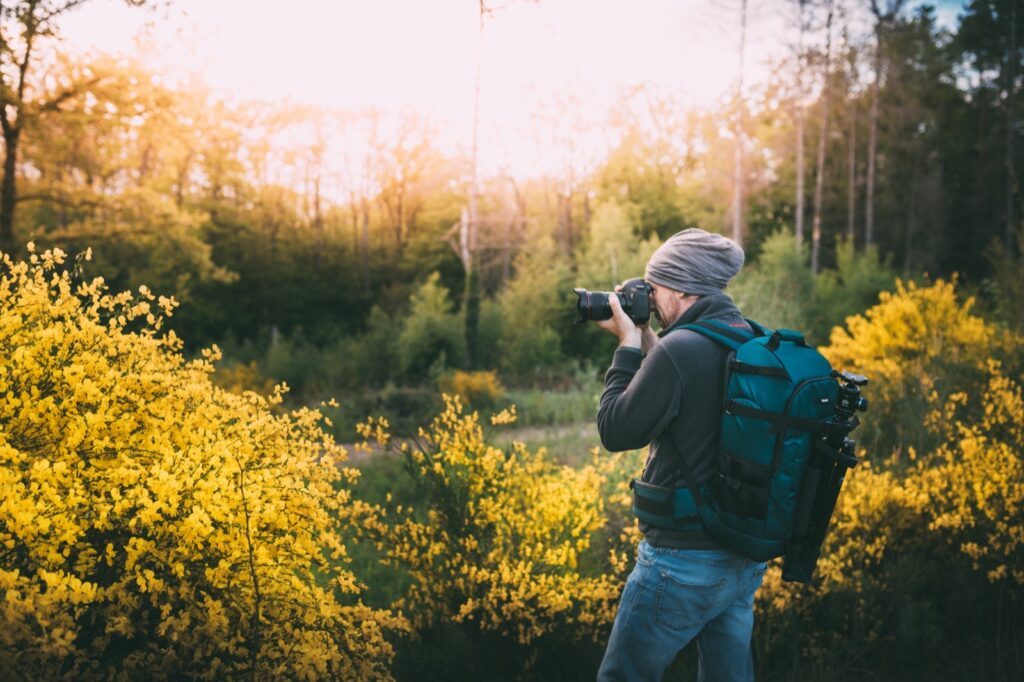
832	455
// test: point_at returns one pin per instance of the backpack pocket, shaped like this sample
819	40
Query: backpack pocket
742	487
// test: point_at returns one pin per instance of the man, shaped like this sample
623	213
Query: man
667	391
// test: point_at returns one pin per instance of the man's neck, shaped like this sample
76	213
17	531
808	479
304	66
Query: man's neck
696	310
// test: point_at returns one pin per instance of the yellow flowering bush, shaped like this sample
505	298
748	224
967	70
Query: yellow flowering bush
918	346
153	524
918	546
976	494
501	542
480	388
241	377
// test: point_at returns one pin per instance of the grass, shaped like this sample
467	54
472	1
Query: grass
568	444
542	407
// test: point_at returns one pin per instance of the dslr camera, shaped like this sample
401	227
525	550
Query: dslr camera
635	298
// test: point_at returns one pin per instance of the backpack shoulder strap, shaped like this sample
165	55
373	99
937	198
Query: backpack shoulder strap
722	333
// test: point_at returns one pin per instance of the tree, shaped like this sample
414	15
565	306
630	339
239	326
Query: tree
740	133
613	251
851	125
801	116
988	41
883	19
653	168
822	141
23	25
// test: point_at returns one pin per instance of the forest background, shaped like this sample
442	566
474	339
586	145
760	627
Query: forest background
871	177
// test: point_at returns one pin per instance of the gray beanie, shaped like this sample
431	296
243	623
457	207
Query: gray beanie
695	262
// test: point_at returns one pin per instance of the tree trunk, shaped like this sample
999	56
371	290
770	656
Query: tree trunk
506	251
365	260
911	216
869	200
800	176
183	169
354	210
399	222
565	227
1011	179
518	225
472	321
737	177
318	223
851	99
822	141
471	298
800	121
8	192
851	180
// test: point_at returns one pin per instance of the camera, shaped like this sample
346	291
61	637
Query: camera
635	298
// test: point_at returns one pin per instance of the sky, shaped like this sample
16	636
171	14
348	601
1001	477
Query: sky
420	55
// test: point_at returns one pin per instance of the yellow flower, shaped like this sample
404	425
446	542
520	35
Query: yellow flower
139	495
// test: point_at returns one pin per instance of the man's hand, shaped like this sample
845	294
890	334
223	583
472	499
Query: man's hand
621	325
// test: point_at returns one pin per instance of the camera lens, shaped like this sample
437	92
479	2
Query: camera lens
592	305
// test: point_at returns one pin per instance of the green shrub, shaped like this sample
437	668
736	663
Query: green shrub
775	290
370	359
432	335
533	305
294	360
492	326
850	289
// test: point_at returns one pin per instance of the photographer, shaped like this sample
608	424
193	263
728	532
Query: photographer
667	390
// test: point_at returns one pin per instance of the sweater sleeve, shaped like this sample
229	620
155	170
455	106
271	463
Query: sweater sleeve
641	396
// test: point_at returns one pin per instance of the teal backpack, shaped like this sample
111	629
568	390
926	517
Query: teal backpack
780	399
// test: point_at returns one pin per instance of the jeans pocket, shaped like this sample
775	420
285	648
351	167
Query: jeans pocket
682	605
644	554
757	575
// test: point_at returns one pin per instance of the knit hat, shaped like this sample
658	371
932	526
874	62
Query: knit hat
695	262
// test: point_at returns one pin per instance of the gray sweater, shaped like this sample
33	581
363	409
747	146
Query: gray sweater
679	386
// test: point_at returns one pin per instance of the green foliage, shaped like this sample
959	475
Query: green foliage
432	336
370	358
613	251
854	286
490	332
142	237
546	407
642	174
776	289
293	359
471	315
533	308
1006	285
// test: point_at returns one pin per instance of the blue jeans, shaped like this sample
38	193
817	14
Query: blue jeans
675	595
